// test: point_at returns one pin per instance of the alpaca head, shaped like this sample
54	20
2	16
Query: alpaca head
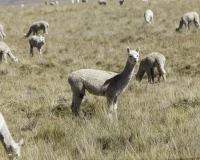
15	59
41	38
133	55
15	150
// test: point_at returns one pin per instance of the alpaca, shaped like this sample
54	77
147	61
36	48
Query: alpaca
73	1
102	83
12	148
148	64
85	1
37	26
2	34
148	16
36	41
187	18
53	3
104	2
121	2
4	50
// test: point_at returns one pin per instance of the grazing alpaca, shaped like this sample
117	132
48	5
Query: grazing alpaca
2	34
102	83
148	64
38	42
12	148
121	2
104	2
187	18
148	16
37	26
4	50
73	1
53	3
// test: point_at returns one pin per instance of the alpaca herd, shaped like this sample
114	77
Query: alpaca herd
96	82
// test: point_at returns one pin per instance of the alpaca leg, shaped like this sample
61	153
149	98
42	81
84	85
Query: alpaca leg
162	73
5	58
115	107
31	50
76	103
40	50
110	107
149	75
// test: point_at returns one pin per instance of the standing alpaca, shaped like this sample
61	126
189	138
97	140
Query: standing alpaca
102	83
187	18
36	41
104	2
4	50
12	148
148	64
37	26
148	16
2	34
121	2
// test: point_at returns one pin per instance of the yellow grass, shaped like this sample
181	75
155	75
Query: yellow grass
155	121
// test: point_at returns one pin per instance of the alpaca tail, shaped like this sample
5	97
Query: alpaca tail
152	74
28	34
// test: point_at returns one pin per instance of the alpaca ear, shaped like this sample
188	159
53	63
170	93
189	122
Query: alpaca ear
138	49
128	49
21	142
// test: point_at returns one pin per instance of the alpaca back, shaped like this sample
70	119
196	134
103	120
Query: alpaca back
148	15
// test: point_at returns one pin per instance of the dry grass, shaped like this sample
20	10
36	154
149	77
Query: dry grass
155	121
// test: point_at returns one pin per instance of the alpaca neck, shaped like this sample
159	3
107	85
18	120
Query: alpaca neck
6	138
127	73
11	55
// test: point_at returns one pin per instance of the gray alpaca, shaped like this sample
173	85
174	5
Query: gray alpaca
12	148
187	18
37	26
102	83
2	34
4	51
36	41
148	64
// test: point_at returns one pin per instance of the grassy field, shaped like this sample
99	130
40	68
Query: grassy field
155	121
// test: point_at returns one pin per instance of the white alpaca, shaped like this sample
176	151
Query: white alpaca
187	18
37	26
4	51
148	16
36	41
2	34
73	1
104	2
121	2
12	148
85	1
53	3
148	64
102	83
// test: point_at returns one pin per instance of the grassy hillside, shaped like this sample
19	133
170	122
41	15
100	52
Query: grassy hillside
155	121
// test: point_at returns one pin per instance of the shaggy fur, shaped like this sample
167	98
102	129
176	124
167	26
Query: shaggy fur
37	26
148	64
187	18
36	41
148	16
2	34
12	148
102	83
4	51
